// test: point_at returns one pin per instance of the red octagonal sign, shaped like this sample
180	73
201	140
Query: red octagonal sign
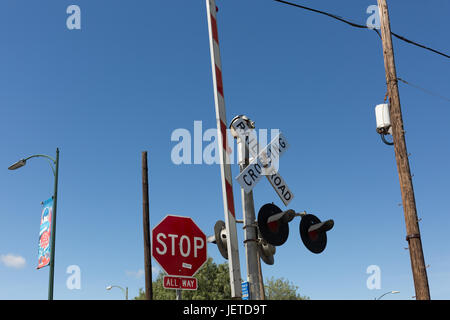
179	246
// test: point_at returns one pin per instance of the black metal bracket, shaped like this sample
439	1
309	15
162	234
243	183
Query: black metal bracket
385	141
411	236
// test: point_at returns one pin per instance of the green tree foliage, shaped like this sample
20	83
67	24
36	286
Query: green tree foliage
214	284
282	289
212	281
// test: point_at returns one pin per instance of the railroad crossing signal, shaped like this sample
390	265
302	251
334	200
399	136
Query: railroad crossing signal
314	232
266	251
273	224
274	232
220	238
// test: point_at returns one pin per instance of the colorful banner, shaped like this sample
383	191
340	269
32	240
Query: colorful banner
44	233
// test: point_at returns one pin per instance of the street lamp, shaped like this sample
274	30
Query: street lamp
18	164
125	291
54	163
393	292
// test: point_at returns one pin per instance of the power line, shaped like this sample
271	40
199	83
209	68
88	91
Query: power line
356	25
360	26
325	13
424	90
420	45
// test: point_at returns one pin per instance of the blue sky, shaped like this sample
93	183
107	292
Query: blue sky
138	70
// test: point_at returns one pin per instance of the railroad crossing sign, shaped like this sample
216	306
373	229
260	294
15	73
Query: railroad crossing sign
264	163
179	246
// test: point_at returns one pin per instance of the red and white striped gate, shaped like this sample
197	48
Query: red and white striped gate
225	167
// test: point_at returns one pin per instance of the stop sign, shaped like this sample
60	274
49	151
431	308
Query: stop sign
179	246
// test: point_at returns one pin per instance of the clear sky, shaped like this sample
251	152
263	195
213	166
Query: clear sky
138	70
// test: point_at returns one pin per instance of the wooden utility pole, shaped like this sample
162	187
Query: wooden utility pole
401	156
146	224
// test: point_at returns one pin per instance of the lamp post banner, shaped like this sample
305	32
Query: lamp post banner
44	233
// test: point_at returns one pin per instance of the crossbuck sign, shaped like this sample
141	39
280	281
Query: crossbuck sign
264	163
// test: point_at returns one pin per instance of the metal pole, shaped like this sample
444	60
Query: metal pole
398	133
262	292
52	249
179	295
146	225
389	292
251	232
124	291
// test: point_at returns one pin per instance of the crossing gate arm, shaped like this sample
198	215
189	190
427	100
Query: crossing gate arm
225	167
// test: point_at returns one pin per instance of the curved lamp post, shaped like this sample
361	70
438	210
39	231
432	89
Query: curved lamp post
125	291
54	163
392	292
